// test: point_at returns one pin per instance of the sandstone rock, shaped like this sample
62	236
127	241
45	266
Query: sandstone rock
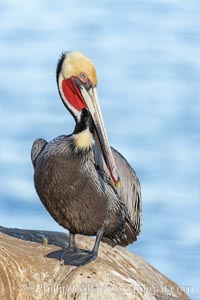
26	273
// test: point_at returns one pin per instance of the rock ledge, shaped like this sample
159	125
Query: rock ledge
25	272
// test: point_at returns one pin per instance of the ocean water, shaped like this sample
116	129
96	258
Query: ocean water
147	55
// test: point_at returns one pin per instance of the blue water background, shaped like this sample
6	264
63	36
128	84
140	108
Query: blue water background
147	54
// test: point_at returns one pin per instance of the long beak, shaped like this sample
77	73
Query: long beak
91	100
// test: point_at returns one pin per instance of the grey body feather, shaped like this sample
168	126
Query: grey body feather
76	189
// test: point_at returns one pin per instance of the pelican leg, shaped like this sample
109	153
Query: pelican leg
72	245
83	257
72	250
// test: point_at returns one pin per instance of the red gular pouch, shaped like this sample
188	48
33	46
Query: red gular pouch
73	94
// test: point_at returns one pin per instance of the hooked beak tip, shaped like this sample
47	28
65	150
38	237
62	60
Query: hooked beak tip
118	183
115	178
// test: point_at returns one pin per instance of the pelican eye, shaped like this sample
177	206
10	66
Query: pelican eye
83	77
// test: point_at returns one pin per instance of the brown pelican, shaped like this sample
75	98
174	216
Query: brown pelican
87	186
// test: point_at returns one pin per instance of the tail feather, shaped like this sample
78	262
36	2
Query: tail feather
121	238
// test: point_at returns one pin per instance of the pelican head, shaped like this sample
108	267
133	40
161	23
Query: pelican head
77	81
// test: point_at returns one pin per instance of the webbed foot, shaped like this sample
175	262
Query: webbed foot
80	258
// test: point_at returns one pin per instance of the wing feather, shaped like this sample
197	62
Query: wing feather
129	191
37	147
